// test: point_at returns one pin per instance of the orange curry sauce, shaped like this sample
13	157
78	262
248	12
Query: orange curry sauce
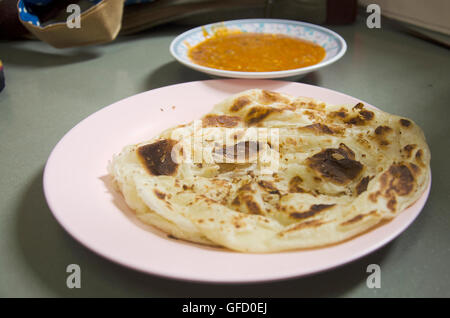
255	52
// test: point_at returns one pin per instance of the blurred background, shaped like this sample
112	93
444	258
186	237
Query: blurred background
104	20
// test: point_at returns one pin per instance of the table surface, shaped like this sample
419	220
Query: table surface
49	91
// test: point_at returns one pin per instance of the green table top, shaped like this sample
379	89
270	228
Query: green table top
49	91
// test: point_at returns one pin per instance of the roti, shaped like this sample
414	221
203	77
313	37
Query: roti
267	172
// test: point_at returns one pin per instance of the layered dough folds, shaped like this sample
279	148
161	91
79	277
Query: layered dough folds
267	172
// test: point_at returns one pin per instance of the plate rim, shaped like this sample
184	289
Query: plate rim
420	202
259	75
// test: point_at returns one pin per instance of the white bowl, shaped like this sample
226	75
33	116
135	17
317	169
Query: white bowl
332	42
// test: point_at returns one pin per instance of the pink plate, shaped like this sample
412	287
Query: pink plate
79	192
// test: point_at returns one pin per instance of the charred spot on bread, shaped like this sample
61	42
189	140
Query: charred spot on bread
408	150
381	133
358	218
295	185
362	118
398	180
157	157
313	210
381	130
319	128
252	206
362	185
405	122
240	103
337	165
159	194
303	225
358	106
220	121
269	187
268	97
419	156
258	113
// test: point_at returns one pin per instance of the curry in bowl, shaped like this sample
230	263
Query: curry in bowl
234	50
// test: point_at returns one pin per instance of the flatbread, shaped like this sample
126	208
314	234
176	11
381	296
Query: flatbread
272	172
